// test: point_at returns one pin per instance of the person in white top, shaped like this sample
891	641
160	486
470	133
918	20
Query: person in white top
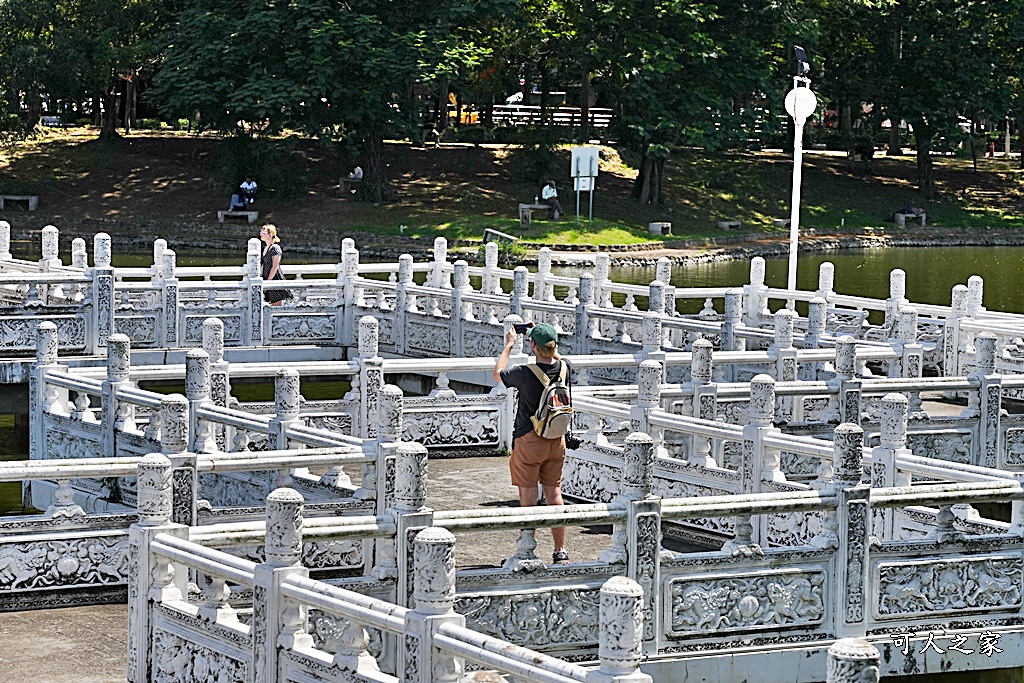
549	196
356	174
248	189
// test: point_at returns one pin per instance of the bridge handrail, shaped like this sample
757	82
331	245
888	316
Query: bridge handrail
504	656
206	560
336	600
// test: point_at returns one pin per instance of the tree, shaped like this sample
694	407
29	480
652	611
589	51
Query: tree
336	70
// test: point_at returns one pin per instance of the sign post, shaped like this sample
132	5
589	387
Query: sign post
584	169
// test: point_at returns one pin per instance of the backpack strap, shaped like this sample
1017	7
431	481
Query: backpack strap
563	372
540	374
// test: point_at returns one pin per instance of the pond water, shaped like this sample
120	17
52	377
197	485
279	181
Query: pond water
931	275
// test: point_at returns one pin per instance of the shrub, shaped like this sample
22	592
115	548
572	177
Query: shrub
83	121
509	253
149	124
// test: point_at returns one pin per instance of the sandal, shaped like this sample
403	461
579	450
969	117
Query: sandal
560	557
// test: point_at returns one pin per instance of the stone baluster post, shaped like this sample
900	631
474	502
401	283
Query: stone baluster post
911	354
705	400
159	247
602	271
220	378
171	312
287	400
826	280
116	416
656	305
789	408
816	319
461	311
663	274
852	660
434	598
975	293
490	281
405	301
844	403
439	276
897	298
542	290
621	641
731	322
254	284
642	531
352	294
758	463
151	580
755	294
847	469
174	439
43	398
584	332
5	241
892	445
853	524
197	391
102	294
410	511
951	346
278	624
51	250
520	288
516	357
79	255
371	376
651	333
989	400
382	477
649	376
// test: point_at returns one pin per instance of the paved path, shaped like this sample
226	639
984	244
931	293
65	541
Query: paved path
88	644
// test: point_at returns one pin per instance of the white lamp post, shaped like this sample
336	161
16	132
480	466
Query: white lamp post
800	103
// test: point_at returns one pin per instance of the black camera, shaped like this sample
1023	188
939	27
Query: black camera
572	442
522	328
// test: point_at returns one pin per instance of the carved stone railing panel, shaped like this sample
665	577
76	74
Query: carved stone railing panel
299	327
18	329
549	619
767	599
233	321
949	586
143	330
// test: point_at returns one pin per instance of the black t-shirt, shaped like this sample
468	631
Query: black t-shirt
530	389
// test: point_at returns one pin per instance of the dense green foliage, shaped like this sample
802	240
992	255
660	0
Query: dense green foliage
675	73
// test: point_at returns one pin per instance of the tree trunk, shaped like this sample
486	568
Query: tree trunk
97	109
647	187
894	137
375	186
846	120
110	113
585	107
925	179
129	105
543	97
442	106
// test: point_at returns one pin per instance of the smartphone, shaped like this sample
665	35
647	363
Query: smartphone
521	328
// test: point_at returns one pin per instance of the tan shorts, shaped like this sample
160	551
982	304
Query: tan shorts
536	459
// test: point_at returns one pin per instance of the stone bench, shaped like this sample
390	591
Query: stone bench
659	228
526	213
251	216
492	235
902	218
729	225
30	199
348	185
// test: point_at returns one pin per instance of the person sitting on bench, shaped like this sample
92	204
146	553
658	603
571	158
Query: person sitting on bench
248	189
549	196
237	200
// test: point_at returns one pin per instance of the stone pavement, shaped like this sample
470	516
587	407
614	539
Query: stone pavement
88	644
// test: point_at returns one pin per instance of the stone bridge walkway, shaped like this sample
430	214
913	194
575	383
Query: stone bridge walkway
88	644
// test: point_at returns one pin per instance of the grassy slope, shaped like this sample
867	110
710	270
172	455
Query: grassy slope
458	191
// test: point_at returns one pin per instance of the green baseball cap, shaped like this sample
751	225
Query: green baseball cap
543	334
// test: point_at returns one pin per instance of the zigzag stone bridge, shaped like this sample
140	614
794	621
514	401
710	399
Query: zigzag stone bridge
855	482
